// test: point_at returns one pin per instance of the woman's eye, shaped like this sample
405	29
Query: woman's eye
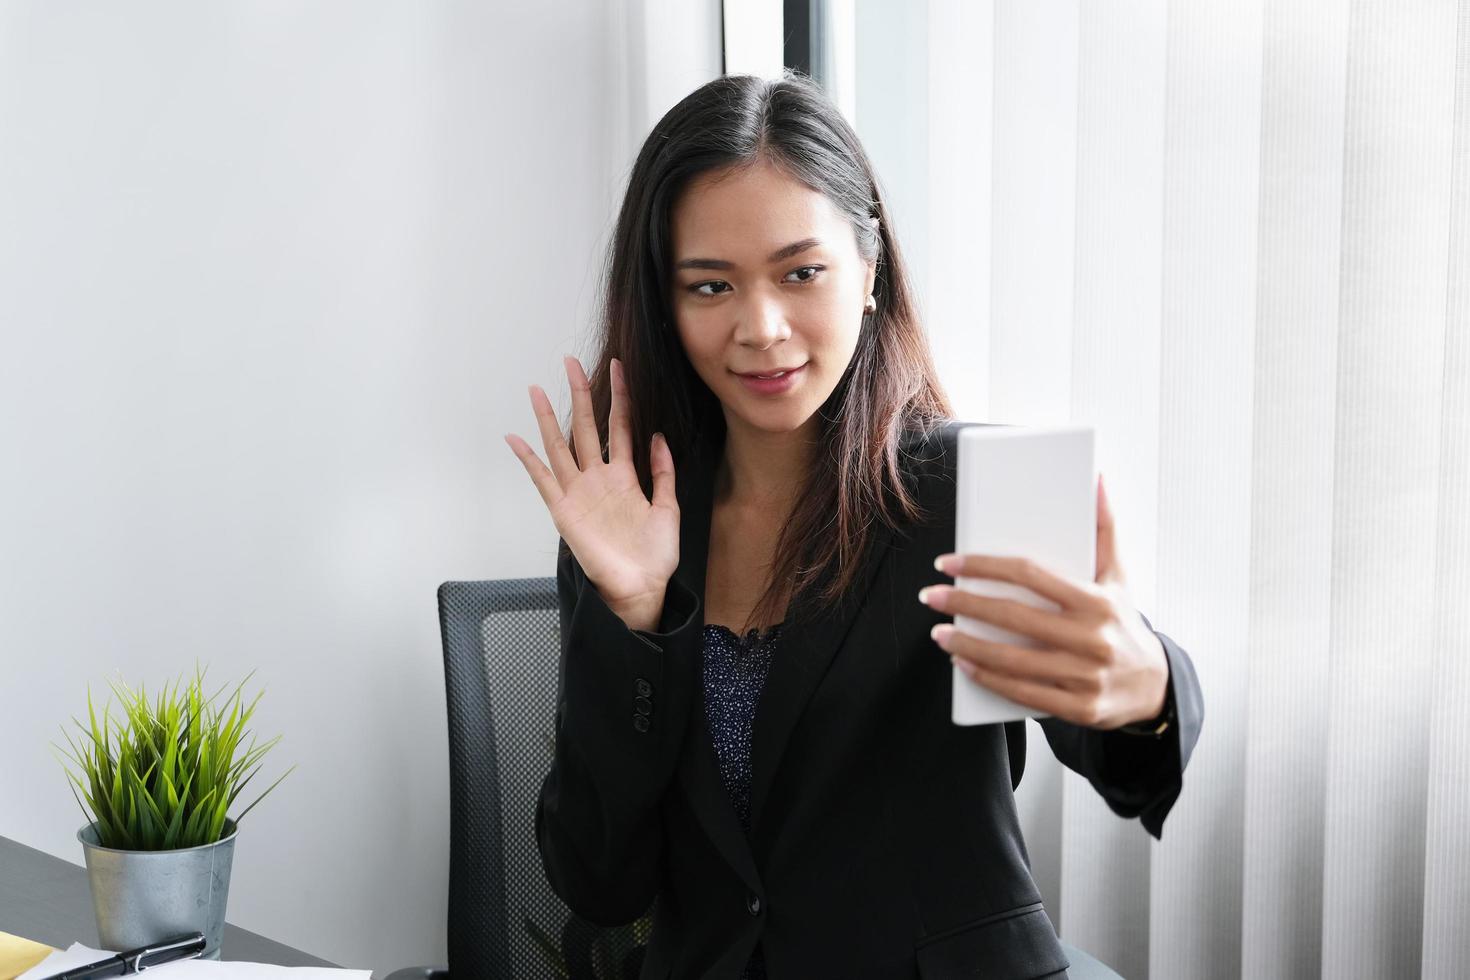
714	287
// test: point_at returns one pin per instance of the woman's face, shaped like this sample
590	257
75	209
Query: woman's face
767	277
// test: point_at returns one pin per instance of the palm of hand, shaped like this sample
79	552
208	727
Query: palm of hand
626	544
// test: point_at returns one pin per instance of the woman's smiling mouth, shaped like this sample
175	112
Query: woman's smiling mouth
772	382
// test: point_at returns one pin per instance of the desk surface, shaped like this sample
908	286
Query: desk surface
47	899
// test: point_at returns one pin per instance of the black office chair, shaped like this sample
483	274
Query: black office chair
502	644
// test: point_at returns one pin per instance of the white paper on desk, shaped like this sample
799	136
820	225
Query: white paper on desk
78	955
73	956
1021	490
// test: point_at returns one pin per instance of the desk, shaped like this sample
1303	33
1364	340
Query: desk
47	899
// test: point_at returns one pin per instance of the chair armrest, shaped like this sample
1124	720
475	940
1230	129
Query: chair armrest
1084	966
420	973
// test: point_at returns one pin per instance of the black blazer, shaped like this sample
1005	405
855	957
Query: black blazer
884	839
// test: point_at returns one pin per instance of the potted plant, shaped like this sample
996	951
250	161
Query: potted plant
157	784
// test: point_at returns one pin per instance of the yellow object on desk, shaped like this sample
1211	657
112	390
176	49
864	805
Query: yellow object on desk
18	955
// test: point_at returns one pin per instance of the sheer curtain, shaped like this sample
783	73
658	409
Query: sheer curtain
1232	234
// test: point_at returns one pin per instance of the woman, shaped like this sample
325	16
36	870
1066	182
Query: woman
765	550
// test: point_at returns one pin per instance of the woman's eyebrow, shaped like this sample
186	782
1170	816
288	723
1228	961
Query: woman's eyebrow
780	254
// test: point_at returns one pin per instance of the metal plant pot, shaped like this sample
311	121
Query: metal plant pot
144	897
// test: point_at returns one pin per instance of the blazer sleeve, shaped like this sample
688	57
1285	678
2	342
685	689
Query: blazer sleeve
1138	775
622	706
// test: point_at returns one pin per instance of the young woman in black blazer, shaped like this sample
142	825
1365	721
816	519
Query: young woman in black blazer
753	724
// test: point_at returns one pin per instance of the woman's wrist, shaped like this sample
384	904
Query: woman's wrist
1160	723
640	614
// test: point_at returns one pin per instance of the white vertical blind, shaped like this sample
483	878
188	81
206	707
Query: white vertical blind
1233	235
1029	338
1446	842
1212	125
891	106
1390	386
834	56
1303	81
1033	187
1115	320
959	155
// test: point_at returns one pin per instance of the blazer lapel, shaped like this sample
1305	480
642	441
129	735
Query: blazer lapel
808	642
698	766
804	650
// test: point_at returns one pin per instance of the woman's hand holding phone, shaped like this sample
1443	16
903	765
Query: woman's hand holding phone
1097	663
626	544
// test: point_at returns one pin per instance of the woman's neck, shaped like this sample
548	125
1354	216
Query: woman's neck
763	471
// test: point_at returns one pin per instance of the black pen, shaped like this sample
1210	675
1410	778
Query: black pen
137	960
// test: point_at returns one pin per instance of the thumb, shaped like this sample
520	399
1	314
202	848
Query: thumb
1108	566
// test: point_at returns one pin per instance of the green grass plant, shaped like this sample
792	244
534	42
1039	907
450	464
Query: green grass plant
164	773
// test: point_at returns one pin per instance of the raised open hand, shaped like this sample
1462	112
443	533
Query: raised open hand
627	545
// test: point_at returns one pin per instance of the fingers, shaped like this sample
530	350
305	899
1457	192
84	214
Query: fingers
1041	666
661	464
1051	628
545	480
557	453
1044	697
584	423
1083	597
619	432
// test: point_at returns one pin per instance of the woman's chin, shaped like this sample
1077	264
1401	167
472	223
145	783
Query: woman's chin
782	420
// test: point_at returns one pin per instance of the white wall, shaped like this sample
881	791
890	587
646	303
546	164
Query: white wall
273	280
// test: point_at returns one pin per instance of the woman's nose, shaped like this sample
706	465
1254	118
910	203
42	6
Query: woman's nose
762	323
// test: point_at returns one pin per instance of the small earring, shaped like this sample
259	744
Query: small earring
870	305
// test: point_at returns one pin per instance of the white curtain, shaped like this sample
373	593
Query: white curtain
1232	234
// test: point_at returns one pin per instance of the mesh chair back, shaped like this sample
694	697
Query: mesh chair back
502	644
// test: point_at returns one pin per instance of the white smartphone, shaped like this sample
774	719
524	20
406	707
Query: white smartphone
1021	490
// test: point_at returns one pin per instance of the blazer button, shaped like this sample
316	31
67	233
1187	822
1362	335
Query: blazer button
643	688
753	904
643	706
640	722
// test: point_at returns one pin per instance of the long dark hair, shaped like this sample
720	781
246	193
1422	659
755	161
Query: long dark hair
890	387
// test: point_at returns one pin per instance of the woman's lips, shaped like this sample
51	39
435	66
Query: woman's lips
772	386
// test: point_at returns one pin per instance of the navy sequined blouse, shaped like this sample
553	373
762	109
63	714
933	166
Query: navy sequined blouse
735	671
